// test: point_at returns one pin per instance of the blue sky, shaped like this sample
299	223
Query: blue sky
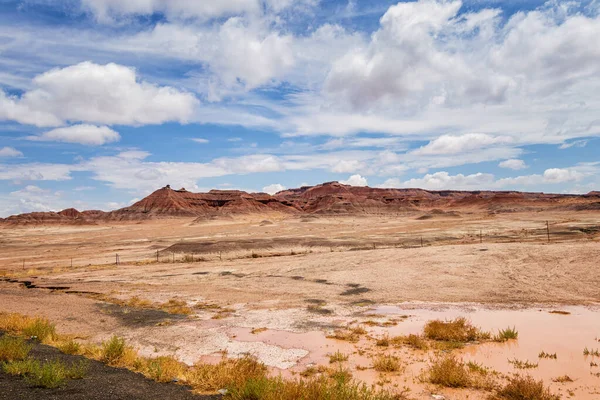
104	101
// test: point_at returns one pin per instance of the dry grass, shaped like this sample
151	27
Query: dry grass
321	388
13	349
70	347
207	378
256	331
412	340
36	328
519	364
164	369
563	379
174	306
591	352
383	342
338	357
524	388
386	363
560	312
116	353
507	334
458	330
543	354
350	334
450	372
49	375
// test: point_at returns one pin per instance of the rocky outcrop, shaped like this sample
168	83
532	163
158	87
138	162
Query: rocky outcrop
331	198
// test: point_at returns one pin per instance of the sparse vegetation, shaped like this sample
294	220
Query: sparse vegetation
560	312
563	379
13	349
350	334
458	330
337	357
412	340
448	371
383	342
36	328
70	347
524	388
543	354
113	350
591	352
174	306
504	335
164	369
386	363
519	364
256	331
49	375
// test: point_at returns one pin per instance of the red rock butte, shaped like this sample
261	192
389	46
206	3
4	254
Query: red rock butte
331	198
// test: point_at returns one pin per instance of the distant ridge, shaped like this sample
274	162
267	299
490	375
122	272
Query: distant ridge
330	198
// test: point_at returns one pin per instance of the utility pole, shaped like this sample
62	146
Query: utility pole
548	231
421	241
480	236
156	255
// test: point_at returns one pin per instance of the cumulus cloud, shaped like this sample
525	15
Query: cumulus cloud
93	93
108	10
443	180
559	175
10	152
450	144
514	164
274	188
355	180
90	135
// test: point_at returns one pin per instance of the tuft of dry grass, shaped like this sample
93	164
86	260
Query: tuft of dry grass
563	379
49	375
386	363
560	312
349	334
383	342
507	334
256	331
116	353
519	364
412	340
450	372
208	378
458	330
13	349
165	369
591	352
70	347
521	388
174	306
36	328
543	354
338	356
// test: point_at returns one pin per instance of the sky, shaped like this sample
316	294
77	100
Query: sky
104	101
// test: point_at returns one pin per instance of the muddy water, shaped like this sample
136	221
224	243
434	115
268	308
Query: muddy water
539	330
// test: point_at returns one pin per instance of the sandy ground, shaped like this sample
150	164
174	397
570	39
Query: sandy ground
496	270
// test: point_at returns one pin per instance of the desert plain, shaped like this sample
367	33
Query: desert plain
295	290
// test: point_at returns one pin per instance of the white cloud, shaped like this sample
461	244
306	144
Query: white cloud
201	140
449	144
108	10
102	94
514	164
443	180
10	152
576	143
274	188
559	175
355	180
90	135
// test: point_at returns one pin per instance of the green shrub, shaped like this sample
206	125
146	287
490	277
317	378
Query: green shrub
13	349
113	350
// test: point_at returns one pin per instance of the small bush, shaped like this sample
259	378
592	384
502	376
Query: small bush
40	329
165	369
412	340
519	364
174	306
504	335
70	347
21	367
449	372
521	388
49	375
386	363
113	350
383	342
457	330
13	349
563	379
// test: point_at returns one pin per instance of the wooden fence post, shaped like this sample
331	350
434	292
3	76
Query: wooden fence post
548	231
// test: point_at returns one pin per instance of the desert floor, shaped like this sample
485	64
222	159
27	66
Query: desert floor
305	278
